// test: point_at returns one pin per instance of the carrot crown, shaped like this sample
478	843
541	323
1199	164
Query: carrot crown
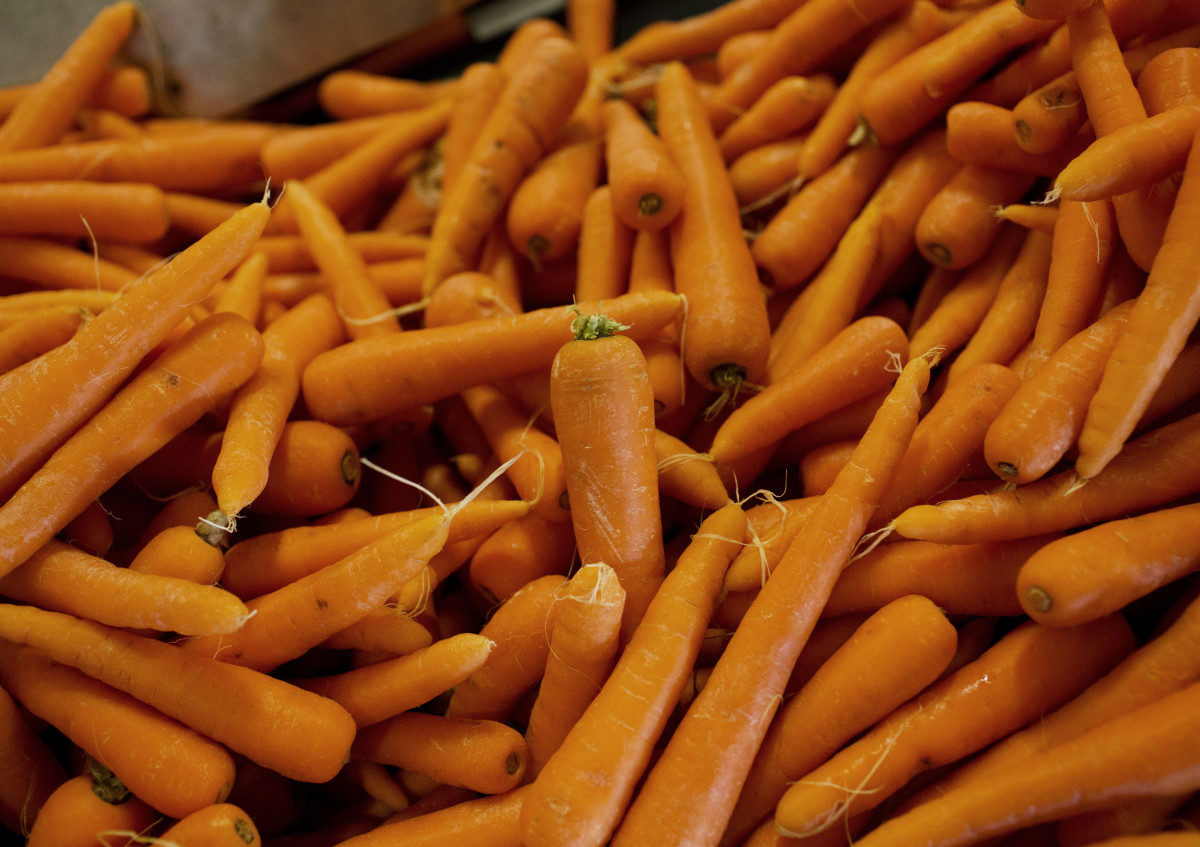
591	327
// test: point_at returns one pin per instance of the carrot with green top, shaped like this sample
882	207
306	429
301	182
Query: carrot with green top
714	270
529	113
298	733
646	183
581	792
208	363
682	802
48	108
46	399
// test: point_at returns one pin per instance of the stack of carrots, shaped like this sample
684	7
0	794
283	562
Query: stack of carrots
778	428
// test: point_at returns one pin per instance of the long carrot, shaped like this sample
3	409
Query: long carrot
579	796
208	363
726	723
134	212
703	33
45	400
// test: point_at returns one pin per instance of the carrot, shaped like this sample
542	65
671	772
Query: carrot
581	793
340	386
584	640
218	825
764	177
949	437
518	628
950	720
957	226
314	469
1168	80
379	691
242	291
172	768
1030	215
523	549
980	133
788	106
591	24
261	406
704	32
515	135
799	43
86	806
727	721
857	361
1142	753
604	250
646	184
47	109
906	644
183	552
714	270
479	86
41	332
206	364
468	296
350	93
290	252
48	398
1146	474
384	630
1162	317
1054	10
135	212
301	151
490	821
1055	397
1105	567
49	264
30	772
1012	316
686	475
773	526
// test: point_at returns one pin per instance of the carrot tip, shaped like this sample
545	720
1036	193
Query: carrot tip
216	527
1037	600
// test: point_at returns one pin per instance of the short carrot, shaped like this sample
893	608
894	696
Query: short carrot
958	224
727	721
350	93
218	825
787	107
184	552
714	270
579	796
646	183
86	805
208	363
491	820
315	469
524	549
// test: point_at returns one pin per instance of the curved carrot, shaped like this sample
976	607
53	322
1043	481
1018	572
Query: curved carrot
531	110
238	707
788	106
1103	568
169	766
646	183
714	270
47	399
47	109
611	469
579	796
341	385
208	363
725	725
950	720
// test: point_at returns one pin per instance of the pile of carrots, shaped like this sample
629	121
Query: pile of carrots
777	428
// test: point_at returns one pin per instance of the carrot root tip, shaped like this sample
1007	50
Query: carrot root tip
1006	469
216	527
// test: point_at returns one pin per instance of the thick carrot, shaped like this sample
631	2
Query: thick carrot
1044	417
1162	317
980	133
183	552
726	723
1146	474
169	766
134	212
1143	753
41	332
218	825
240	708
341	385
208	363
45	400
47	109
86	805
489	821
957	226
314	469
1104	568
49	264
580	795
956	717
531	110
905	645
646	183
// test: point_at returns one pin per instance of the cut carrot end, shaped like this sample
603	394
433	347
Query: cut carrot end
649	205
1037	600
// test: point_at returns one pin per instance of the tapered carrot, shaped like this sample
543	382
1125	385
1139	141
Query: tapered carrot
169	766
255	706
262	405
516	133
646	183
579	795
805	733
491	820
704	32
87	805
1103	568
1147	473
604	249
479	85
515	666
45	400
350	93
1144	753
1162	317
47	109
205	365
858	361
686	475
30	772
383	631
1045	416
766	176
182	552
726	723
340	386
604	418
788	106
303	150
714	270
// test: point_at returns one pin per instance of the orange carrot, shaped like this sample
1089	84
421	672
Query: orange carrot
350	93
646	183
41	332
135	212
30	772
591	23
704	32
314	469
957	226
85	806
788	106
604	249
218	825
182	552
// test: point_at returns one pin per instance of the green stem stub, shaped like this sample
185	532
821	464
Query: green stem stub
591	327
